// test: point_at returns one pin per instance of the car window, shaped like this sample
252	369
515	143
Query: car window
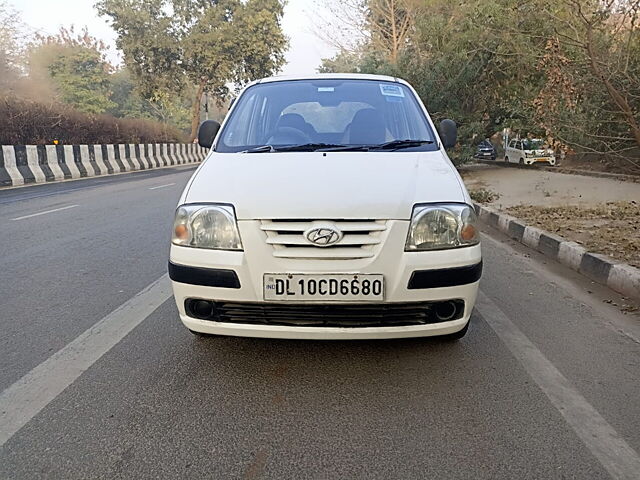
326	119
533	144
341	112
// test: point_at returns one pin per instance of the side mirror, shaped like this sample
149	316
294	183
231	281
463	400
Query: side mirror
207	133
448	133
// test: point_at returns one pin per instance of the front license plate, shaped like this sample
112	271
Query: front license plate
328	287
542	159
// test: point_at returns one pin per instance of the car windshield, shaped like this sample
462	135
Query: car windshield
533	144
326	114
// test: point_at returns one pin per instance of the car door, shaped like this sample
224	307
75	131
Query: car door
518	152
510	151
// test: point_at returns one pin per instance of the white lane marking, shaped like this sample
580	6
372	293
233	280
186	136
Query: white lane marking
162	186
45	212
23	400
615	455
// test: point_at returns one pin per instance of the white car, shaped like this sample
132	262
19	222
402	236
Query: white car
326	208
528	151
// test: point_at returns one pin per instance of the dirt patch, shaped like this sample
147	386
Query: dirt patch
612	228
515	186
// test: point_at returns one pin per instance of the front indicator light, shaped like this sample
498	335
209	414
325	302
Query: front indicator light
181	232
468	233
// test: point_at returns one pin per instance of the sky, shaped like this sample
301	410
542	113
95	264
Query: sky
304	55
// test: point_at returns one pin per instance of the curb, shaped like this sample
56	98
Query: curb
618	276
560	169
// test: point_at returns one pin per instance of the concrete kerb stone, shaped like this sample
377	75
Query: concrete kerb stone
570	254
625	279
28	164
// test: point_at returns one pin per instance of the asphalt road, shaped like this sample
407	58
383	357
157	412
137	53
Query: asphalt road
99	380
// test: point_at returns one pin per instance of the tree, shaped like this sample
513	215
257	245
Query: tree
168	44
11	46
381	26
76	66
599	42
568	70
390	23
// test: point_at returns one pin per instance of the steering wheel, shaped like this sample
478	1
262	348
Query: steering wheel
288	136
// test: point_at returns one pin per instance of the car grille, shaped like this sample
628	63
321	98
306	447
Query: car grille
337	315
361	238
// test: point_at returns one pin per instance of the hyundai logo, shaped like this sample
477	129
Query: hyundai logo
323	236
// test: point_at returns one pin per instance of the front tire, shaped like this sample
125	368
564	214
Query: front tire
506	159
522	161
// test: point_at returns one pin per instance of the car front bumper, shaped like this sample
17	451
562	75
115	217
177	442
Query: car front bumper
533	161
456	278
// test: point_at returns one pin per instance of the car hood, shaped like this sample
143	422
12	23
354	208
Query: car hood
539	152
357	185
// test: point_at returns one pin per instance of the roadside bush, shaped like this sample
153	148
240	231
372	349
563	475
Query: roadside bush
23	122
483	195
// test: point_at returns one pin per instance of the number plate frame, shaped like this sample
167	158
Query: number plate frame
275	287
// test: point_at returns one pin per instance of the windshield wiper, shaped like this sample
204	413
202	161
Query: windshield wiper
307	147
400	144
303	147
261	149
346	148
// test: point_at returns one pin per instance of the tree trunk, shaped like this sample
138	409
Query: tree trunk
620	101
394	34
195	114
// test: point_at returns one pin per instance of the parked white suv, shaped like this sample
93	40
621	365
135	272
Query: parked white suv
327	208
528	151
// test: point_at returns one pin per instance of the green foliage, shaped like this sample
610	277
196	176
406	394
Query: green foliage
128	102
81	79
567	70
76	67
169	44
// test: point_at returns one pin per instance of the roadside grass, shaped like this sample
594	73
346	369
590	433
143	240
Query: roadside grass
611	228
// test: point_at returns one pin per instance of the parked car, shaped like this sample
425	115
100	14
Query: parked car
528	151
327	208
485	150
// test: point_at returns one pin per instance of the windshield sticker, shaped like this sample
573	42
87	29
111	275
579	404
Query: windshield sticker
391	90
325	89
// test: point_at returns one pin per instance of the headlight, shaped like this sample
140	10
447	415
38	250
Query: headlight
206	226
441	226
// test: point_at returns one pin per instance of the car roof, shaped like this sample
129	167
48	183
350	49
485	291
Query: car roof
329	76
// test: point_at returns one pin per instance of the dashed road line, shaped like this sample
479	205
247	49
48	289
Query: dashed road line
162	186
22	401
614	454
44	213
